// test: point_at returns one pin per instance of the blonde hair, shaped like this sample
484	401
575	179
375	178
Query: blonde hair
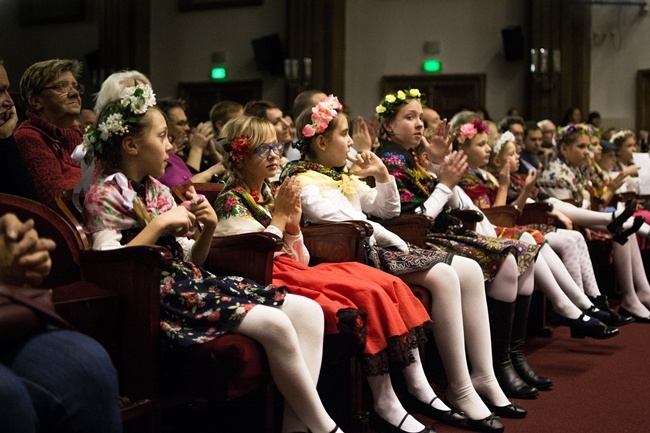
256	129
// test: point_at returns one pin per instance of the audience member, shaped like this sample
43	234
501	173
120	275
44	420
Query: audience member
306	99
516	126
625	142
531	153
87	118
564	179
548	134
53	380
430	117
458	305
127	206
47	139
394	321
15	177
594	119
507	265
572	116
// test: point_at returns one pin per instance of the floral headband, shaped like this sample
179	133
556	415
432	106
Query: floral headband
573	128
624	134
469	130
238	148
134	103
506	137
393	101
321	115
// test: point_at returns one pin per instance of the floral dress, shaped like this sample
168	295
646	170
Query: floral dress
415	186
376	309
479	187
195	306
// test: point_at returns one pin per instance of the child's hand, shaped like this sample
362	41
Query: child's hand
452	169
504	176
360	135
288	205
533	176
177	221
368	164
440	143
201	208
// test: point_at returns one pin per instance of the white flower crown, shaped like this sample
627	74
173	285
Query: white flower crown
620	134
505	138
134	103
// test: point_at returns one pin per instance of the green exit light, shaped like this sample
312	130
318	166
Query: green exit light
218	73
431	66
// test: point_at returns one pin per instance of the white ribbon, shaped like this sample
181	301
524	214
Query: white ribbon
128	195
78	155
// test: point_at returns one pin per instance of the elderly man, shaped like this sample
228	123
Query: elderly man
14	176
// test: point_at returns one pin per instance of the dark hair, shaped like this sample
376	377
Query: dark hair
303	101
166	104
530	127
304	143
222	111
111	155
259	108
511	120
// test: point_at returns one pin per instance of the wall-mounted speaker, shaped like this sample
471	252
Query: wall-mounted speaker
269	55
513	43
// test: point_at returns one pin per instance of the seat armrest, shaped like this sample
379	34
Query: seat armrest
535	213
135	273
336	242
469	217
412	228
247	255
502	216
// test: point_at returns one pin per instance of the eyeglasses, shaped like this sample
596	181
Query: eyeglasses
264	150
64	88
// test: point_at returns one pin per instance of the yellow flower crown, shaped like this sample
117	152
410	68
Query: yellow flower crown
393	101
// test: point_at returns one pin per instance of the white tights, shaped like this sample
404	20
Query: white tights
555	281
460	322
593	219
570	245
292	336
631	278
507	283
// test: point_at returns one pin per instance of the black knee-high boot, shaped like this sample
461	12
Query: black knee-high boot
501	318
519	362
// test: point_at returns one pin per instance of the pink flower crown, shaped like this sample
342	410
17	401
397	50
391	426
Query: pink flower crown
469	130
321	115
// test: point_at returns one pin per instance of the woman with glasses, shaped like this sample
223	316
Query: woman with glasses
53	98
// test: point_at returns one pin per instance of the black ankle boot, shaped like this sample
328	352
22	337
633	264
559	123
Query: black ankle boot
519	362
501	320
602	303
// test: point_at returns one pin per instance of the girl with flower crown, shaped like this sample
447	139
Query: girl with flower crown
565	179
570	304
127	206
377	309
459	312
507	265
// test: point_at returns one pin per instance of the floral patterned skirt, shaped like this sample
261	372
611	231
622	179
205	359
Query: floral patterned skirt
396	262
537	231
197	307
387	318
487	251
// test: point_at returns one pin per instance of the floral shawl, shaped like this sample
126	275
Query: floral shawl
318	174
561	181
104	207
479	187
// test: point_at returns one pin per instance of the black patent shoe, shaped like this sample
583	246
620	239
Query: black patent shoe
616	226
513	410
615	319
623	236
451	416
380	425
623	312
583	326
491	424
